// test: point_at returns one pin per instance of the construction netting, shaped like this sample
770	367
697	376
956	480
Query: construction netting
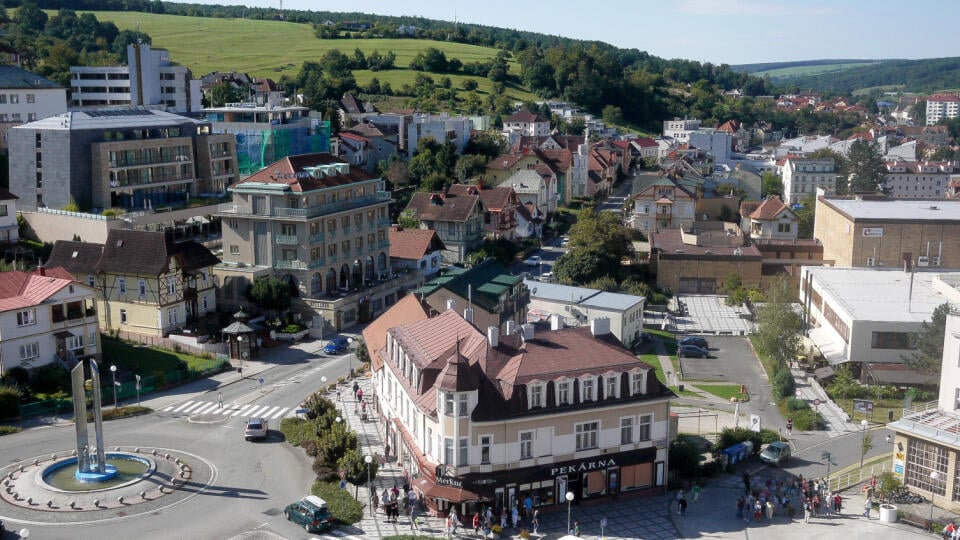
258	148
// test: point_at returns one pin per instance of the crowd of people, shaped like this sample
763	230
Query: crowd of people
765	497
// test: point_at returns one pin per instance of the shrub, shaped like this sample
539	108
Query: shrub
711	468
7	430
120	412
9	402
309	447
343	508
291	329
16	376
297	430
685	456
888	483
783	384
795	404
317	405
768	436
49	379
324	472
731	436
807	420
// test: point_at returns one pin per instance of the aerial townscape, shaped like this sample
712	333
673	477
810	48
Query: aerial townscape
479	270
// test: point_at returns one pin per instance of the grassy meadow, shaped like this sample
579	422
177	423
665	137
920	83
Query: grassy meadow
276	48
798	71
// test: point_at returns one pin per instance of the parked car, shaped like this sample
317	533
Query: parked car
692	350
776	453
695	340
532	261
256	428
311	512
336	345
545	277
564	241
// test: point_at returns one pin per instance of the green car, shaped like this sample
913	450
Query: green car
311	512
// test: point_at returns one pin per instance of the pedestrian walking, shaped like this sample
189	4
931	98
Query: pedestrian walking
867	506
807	510
476	523
515	516
837	503
746	483
790	427
374	500
220	400
356	386
679	498
696	491
740	503
683	507
576	528
770	510
536	520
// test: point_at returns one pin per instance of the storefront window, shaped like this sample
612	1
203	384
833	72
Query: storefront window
922	459
636	476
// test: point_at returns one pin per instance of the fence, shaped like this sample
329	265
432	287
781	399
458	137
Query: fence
216	349
851	478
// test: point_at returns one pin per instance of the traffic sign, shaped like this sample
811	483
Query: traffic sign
260	380
797	393
816	402
603	523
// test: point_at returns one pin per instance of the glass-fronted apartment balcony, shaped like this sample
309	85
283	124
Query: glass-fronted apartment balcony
287	239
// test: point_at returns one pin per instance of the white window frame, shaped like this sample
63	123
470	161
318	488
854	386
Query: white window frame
536	395
73	343
448	451
142	288
588	390
626	429
463	452
525	440
122	285
449	403
587	435
463	405
611	382
91	281
564	392
172	316
29	351
171	284
27	317
638	382
645	427
486	446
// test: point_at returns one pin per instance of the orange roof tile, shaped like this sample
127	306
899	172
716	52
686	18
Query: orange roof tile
405	311
413	244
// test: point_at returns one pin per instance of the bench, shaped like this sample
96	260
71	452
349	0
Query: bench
916	521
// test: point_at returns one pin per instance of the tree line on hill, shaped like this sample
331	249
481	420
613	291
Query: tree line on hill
927	75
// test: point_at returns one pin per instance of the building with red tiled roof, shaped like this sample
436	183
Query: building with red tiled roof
499	208
530	412
941	106
770	220
457	218
919	179
46	316
415	249
665	204
698	262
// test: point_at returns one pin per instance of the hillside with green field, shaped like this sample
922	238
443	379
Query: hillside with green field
784	74
275	48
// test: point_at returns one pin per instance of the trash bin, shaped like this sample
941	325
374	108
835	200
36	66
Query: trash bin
888	513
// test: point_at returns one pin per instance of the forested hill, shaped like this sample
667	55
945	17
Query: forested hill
925	75
810	65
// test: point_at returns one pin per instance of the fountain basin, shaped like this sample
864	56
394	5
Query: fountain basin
122	469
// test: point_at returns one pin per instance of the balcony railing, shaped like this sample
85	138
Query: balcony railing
287	239
290	265
315	238
305	213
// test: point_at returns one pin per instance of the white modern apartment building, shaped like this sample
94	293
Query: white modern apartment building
148	79
680	129
940	106
919	179
802	177
26	97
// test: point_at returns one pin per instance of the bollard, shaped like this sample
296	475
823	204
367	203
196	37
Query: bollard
116	448
166	456
53	457
136	450
36	462
154	451
73	452
30	501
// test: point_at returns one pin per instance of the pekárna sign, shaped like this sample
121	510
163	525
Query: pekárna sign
583	466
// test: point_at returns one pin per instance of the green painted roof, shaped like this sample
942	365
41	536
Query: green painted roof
488	280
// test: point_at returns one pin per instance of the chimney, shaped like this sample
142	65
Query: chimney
528	331
493	335
451	303
600	326
41	269
556	323
468	315
511	328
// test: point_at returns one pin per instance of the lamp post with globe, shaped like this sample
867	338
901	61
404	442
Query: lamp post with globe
569	497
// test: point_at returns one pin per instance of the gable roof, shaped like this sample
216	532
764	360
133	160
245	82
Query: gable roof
5	195
14	77
413	244
524	115
484	283
19	290
407	309
150	253
494	198
440	207
306	172
76	257
770	209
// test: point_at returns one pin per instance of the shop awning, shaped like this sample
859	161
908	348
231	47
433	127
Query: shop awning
447	493
831	346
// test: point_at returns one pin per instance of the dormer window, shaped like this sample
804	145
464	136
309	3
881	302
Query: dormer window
587	390
536	395
612	387
564	396
638	382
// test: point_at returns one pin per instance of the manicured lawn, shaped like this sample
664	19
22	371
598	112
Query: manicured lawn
881	409
723	391
130	358
654	361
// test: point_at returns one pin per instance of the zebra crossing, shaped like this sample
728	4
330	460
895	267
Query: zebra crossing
269	412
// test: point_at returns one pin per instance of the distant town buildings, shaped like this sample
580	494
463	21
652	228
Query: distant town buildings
27	97
940	106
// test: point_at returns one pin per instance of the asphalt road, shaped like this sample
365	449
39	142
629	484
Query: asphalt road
254	480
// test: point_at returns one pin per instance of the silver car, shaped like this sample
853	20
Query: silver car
256	428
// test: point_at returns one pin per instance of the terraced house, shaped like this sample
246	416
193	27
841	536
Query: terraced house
493	419
146	282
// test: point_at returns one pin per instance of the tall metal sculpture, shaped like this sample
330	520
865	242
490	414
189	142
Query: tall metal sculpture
84	464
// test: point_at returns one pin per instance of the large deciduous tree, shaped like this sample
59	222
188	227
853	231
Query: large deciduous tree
928	343
271	294
779	324
864	168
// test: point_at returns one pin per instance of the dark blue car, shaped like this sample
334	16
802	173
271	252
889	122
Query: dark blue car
336	345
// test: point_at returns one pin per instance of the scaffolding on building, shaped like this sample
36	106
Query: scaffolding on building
258	148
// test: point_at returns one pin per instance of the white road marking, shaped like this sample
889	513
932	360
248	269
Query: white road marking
239	411
204	410
270	412
187	404
280	413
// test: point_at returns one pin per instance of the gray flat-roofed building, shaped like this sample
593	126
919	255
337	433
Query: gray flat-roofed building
579	305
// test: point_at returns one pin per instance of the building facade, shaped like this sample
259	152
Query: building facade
9	229
665	204
919	179
942	106
46	317
486	295
577	306
26	97
495	419
888	232
803	176
132	159
457	219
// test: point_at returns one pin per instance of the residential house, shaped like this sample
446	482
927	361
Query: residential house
46	317
368	145
556	165
860	316
486	295
645	147
527	415
602	168
771	220
27	97
500	206
415	249
698	260
740	135
935	136
803	176
525	123
535	187
412	127
577	306
9	229
665	204
680	129
353	109
458	220
925	450
321	225
919	179
146	282
133	159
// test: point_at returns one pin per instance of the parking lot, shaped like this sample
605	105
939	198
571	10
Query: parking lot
732	360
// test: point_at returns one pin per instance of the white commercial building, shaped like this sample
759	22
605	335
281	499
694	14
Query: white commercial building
803	176
940	106
149	79
577	306
869	315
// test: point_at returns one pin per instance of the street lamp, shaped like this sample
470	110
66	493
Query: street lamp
934	476
863	442
24	533
113	374
240	354
569	498
350	358
368	459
